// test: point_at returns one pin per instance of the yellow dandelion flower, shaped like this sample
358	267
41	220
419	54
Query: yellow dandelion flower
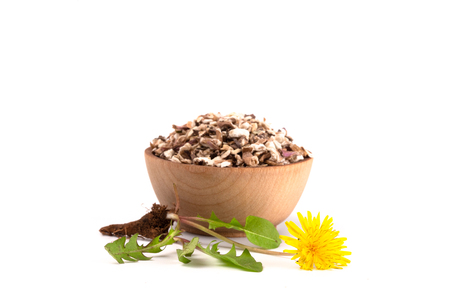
316	244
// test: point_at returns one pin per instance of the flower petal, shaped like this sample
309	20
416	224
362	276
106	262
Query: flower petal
316	243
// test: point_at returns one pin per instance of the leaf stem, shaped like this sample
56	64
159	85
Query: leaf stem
219	236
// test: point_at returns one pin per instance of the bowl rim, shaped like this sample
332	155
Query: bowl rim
148	153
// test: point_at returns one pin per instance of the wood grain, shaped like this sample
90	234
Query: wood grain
268	192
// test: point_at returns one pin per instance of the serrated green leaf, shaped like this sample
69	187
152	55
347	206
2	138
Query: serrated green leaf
235	224
262	232
131	251
214	222
132	245
152	245
187	251
168	240
116	250
245	260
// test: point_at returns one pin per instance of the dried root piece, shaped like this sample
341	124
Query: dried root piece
233	140
150	225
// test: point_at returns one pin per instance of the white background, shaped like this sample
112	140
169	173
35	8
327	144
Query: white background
86	85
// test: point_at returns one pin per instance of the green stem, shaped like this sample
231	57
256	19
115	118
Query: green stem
219	236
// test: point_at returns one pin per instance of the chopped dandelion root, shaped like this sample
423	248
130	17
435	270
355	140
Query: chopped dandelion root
233	140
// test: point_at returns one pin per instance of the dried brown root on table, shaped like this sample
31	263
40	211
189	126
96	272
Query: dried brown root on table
233	140
151	225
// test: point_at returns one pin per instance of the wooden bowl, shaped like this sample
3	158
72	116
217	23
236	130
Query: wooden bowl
269	192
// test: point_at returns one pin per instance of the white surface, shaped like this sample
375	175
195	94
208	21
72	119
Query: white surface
85	86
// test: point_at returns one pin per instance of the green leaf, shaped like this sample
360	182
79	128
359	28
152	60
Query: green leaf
245	260
214	222
259	231
131	251
262	232
187	251
152	246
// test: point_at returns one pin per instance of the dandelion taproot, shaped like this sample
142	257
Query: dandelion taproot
317	244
